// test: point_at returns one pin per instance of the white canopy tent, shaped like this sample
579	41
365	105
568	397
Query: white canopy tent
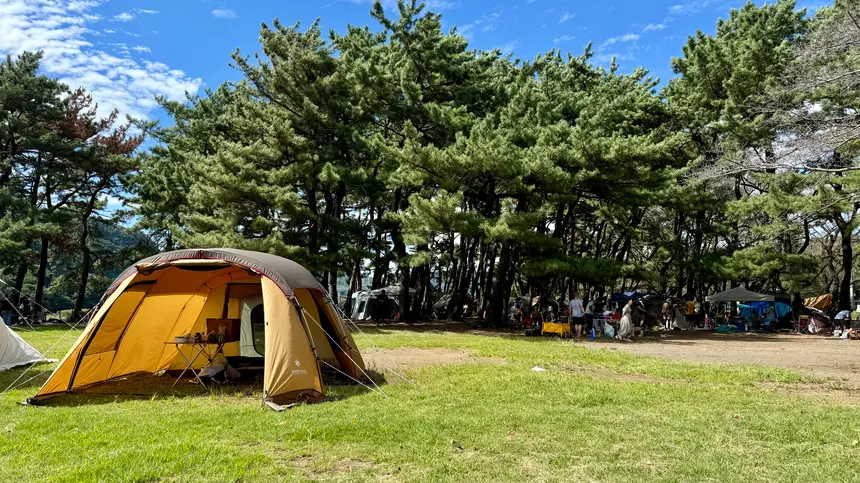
739	294
15	352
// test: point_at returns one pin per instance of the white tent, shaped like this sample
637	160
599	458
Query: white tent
14	351
361	308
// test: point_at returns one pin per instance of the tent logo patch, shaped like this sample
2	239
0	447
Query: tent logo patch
299	372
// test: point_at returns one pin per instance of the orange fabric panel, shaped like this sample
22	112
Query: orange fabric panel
233	308
192	322
312	320
94	368
116	320
59	379
232	349
244	290
290	364
143	345
169	309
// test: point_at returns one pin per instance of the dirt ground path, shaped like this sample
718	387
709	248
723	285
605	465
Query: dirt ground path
819	356
814	355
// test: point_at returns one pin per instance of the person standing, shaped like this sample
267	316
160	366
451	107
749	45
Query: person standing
625	327
667	312
589	318
380	309
577	315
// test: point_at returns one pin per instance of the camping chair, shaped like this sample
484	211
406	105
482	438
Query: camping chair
801	325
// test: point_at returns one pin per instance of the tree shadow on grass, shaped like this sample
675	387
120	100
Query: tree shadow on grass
147	386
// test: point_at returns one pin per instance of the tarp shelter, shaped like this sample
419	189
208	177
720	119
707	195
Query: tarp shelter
816	319
782	309
739	294
14	351
171	294
625	296
764	309
822	302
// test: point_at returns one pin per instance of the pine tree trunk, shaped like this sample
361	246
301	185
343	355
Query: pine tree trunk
401	256
19	286
847	262
486	283
86	258
332	285
454	309
354	280
466	274
43	269
496	309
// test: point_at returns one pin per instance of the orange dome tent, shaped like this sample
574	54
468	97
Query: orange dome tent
171	294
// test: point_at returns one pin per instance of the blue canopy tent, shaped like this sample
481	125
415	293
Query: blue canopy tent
762	309
782	308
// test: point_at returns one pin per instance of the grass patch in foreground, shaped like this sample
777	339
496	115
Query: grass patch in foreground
509	423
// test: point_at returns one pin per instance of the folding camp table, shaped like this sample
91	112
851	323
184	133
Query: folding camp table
197	349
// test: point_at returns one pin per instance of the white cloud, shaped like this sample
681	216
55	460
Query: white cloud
123	17
224	13
563	38
109	31
691	8
487	23
141	49
621	39
508	47
567	16
439	5
654	27
434	5
61	29
606	58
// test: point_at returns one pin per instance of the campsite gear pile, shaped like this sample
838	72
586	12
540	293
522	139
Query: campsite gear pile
174	294
734	310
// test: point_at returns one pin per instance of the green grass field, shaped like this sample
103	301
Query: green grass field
593	415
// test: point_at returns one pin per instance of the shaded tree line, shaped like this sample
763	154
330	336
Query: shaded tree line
398	154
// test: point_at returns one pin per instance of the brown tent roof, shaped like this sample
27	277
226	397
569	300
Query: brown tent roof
287	274
822	302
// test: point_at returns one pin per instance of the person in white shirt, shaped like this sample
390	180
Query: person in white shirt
589	317
577	315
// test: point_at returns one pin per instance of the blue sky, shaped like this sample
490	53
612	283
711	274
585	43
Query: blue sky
128	51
